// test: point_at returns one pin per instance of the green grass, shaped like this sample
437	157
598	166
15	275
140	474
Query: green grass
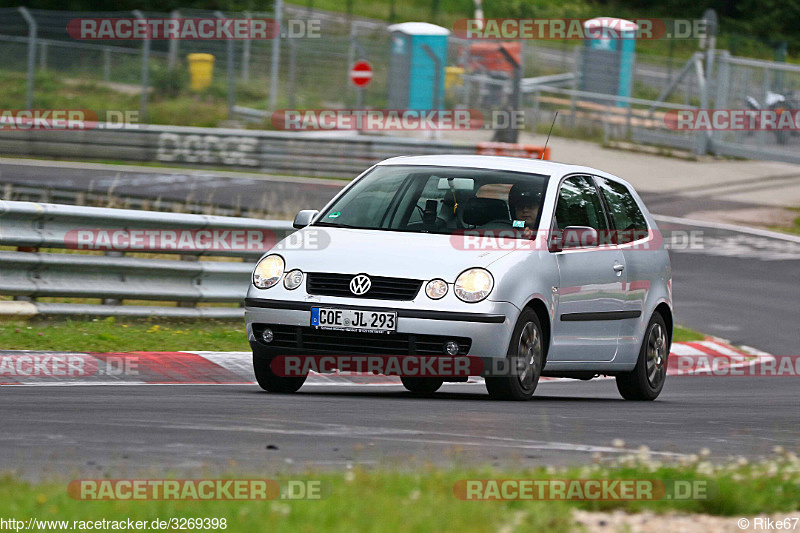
52	92
794	228
124	335
407	502
128	335
682	334
423	499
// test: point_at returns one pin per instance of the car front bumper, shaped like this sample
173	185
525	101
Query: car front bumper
488	324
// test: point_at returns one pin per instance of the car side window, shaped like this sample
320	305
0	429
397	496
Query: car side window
626	215
579	204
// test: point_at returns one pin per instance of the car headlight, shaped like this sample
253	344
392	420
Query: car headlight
268	271
436	289
474	285
293	279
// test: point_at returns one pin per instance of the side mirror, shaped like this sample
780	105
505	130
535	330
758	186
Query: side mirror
579	237
304	218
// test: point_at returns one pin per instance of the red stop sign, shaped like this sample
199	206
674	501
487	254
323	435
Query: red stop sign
361	73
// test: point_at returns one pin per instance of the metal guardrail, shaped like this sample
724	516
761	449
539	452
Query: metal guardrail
529	85
28	273
308	154
50	194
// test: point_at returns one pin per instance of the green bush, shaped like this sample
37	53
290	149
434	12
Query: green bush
168	83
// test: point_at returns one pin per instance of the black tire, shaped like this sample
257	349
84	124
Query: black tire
646	381
525	359
422	385
271	382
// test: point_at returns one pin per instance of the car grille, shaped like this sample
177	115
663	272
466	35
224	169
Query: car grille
317	341
382	288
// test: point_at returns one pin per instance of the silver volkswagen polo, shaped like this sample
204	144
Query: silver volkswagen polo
543	268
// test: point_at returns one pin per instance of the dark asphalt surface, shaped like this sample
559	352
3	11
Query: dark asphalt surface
271	193
128	429
739	288
742	298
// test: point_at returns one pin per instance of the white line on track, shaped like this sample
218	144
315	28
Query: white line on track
422	437
729	227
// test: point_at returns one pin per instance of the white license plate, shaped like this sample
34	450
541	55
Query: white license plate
362	321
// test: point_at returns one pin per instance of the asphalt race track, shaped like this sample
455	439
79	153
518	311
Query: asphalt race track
126	429
742	286
223	188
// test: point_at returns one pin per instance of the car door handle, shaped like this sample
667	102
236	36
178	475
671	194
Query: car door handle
618	267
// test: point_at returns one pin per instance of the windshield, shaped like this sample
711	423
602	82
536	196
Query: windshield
444	200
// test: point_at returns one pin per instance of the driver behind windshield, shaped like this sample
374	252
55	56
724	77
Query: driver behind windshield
523	201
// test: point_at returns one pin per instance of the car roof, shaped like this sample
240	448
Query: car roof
494	162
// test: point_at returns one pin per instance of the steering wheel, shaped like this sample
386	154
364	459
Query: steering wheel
500	222
460	219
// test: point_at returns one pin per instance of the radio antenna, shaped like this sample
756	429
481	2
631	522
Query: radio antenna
548	134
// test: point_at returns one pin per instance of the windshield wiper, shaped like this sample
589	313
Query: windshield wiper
337	225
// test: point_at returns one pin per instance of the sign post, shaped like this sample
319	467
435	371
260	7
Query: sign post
360	77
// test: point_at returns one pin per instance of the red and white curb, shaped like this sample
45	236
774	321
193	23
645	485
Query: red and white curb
235	368
712	355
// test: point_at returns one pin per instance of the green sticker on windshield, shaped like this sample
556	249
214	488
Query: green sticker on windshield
519	223
335	214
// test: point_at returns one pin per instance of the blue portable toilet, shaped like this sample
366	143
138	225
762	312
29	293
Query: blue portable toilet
413	74
608	57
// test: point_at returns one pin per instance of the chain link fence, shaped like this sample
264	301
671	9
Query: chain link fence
754	85
308	66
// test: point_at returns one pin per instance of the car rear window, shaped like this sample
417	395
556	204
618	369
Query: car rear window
625	212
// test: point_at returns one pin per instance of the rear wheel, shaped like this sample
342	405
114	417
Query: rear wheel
270	381
525	359
422	385
646	380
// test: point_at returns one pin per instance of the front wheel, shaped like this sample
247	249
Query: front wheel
646	380
525	359
270	381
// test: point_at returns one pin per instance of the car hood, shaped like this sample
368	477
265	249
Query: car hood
381	253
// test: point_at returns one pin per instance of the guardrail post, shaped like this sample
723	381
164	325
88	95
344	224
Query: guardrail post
112	301
31	250
32	29
189	303
276	56
145	69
